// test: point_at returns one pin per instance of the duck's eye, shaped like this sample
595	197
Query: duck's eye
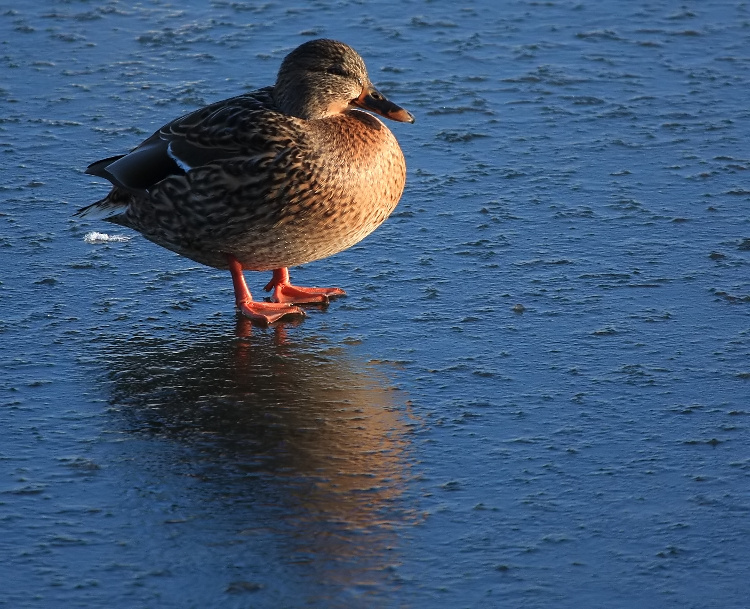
337	70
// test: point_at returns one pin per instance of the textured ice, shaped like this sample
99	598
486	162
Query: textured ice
536	393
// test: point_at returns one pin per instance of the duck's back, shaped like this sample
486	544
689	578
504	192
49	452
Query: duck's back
273	190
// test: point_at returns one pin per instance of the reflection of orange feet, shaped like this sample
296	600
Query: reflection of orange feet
244	327
285	292
259	312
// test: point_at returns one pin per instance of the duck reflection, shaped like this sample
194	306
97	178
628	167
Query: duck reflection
305	439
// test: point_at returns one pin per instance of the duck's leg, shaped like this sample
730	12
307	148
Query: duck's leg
262	312
284	291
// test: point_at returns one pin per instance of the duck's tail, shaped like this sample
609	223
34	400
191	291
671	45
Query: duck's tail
115	203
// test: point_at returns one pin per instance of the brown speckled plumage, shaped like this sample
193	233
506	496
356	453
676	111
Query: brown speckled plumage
274	178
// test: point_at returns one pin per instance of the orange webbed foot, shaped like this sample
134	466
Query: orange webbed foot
258	312
285	292
267	312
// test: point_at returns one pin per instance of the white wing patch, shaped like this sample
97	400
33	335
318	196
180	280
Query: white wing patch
180	163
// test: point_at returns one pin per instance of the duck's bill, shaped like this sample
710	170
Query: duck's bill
371	99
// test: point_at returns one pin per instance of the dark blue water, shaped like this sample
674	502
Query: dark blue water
536	393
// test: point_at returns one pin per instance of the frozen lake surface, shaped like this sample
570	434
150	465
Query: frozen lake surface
536	393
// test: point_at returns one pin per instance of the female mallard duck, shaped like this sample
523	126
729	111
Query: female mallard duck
267	180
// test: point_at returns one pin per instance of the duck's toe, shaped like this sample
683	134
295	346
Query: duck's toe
267	312
285	292
300	295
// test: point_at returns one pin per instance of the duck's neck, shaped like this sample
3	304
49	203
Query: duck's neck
299	97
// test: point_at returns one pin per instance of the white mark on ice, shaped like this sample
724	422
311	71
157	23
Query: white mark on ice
94	237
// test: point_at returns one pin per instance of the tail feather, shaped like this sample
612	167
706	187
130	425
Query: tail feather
116	202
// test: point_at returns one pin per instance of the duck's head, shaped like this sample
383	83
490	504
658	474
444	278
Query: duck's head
324	77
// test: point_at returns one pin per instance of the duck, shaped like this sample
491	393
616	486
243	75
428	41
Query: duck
267	180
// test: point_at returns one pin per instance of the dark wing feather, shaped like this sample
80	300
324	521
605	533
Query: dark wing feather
140	169
219	131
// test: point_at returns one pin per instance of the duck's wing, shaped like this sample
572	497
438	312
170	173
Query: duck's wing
226	129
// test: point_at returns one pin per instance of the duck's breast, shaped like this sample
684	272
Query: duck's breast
355	175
